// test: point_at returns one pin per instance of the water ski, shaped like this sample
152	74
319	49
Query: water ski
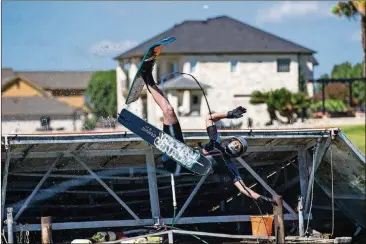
174	149
151	55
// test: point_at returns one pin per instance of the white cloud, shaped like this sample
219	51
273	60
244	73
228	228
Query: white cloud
293	9
356	36
106	48
205	7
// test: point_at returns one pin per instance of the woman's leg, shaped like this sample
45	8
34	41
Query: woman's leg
169	116
171	124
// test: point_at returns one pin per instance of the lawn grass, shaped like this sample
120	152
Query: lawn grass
356	133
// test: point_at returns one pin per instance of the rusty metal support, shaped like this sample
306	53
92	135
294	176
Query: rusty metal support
34	192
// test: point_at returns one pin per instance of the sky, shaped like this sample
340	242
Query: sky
87	35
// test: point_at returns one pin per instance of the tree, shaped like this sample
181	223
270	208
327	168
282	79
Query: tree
283	101
101	93
352	9
340	91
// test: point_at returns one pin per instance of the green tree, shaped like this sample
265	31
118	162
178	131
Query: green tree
344	70
352	9
102	93
286	103
340	91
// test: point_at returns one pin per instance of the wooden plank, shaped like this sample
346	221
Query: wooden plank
278	219
46	223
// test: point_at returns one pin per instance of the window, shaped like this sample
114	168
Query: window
283	65
172	67
233	65
195	105
195	100
45	122
157	67
242	95
193	66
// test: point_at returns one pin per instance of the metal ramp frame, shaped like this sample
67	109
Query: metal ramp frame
81	147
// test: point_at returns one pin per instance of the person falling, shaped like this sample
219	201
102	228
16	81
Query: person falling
222	151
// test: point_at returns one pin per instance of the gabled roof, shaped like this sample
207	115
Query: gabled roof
182	82
50	79
59	79
10	81
220	35
36	105
7	74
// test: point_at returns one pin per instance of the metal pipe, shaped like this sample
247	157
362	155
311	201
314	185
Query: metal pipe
34	192
68	176
124	137
5	179
173	190
107	188
312	175
304	179
170	237
301	217
153	187
10	225
188	201
132	152
144	222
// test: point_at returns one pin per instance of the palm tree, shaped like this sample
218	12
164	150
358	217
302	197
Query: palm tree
351	9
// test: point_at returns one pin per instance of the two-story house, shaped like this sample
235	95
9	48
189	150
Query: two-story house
229	58
43	101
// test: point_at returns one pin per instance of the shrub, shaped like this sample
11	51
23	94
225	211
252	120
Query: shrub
282	100
331	105
90	124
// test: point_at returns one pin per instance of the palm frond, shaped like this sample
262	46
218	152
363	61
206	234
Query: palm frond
347	9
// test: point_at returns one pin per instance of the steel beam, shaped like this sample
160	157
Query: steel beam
9	223
320	150
144	222
303	173
86	153
103	192
153	186
244	238
265	185
127	152
34	192
191	196
170	237
5	180
123	136
355	150
107	187
67	176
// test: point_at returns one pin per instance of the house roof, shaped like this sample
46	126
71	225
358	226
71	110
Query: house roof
182	82
7	74
10	81
313	60
222	34
36	105
58	79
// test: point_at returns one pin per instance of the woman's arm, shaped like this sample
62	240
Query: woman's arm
212	118
236	113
